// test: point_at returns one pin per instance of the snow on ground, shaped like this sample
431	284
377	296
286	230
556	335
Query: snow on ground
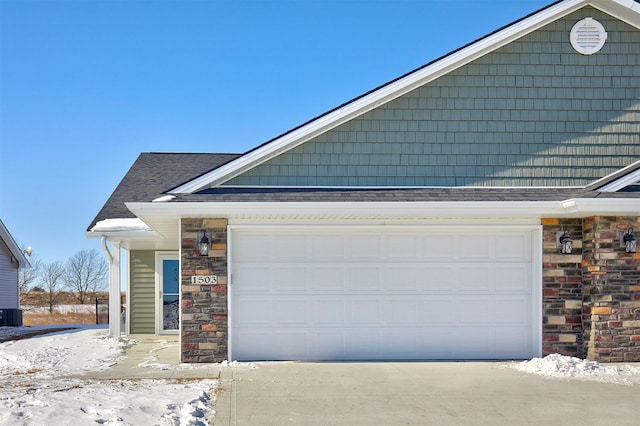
41	380
35	387
566	367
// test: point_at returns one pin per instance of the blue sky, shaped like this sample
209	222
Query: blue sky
85	86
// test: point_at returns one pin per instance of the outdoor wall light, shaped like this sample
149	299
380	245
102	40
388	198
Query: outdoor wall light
565	243
203	243
629	241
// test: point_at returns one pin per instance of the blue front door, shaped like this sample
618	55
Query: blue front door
170	297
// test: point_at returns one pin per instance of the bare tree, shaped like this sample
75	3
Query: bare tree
28	276
86	272
51	280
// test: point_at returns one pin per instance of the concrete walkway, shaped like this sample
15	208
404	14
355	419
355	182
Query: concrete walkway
427	393
155	357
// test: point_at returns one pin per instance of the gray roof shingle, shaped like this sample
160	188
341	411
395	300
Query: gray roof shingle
152	174
222	194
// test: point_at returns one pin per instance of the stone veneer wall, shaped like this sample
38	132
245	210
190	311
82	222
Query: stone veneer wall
562	289
591	298
204	329
611	279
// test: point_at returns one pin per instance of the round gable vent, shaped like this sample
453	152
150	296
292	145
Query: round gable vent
588	36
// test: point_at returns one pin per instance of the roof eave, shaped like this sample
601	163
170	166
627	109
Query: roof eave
13	247
417	209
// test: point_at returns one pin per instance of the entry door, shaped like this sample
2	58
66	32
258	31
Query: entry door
168	285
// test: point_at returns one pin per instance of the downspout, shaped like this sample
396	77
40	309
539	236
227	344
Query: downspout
114	286
106	249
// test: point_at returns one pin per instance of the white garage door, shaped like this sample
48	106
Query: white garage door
344	294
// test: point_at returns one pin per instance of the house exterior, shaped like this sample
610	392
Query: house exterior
482	206
12	259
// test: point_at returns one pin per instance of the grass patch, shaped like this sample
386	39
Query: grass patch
55	318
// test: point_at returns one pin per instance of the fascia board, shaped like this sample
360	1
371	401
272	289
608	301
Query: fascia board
499	209
624	181
615	183
625	10
462	209
384	94
123	235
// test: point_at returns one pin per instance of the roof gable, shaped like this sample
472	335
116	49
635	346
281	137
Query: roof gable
626	11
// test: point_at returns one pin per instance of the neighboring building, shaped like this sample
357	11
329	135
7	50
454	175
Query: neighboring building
423	220
11	260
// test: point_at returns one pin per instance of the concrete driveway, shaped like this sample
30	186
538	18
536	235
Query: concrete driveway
407	393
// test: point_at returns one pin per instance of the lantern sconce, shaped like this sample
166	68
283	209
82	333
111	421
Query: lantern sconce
628	241
203	243
565	244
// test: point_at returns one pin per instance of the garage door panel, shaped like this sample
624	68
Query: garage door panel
290	247
291	311
253	312
437	278
403	279
436	311
401	341
326	278
514	278
364	278
437	247
474	278
345	295
257	246
516	247
400	312
327	344
402	247
474	247
290	279
328	247
328	312
255	278
364	311
512	310
364	246
363	343
474	310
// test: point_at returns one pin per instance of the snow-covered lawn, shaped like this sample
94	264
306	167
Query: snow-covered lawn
35	387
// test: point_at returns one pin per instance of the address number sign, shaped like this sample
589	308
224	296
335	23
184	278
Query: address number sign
204	279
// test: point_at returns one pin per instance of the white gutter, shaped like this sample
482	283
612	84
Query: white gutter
427	209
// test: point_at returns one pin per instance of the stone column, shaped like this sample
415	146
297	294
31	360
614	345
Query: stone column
204	306
612	291
562	289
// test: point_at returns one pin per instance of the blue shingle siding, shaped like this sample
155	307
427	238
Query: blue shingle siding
533	113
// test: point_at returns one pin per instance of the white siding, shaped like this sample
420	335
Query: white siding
9	297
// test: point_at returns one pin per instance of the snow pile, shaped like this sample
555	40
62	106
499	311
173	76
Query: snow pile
565	367
40	383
